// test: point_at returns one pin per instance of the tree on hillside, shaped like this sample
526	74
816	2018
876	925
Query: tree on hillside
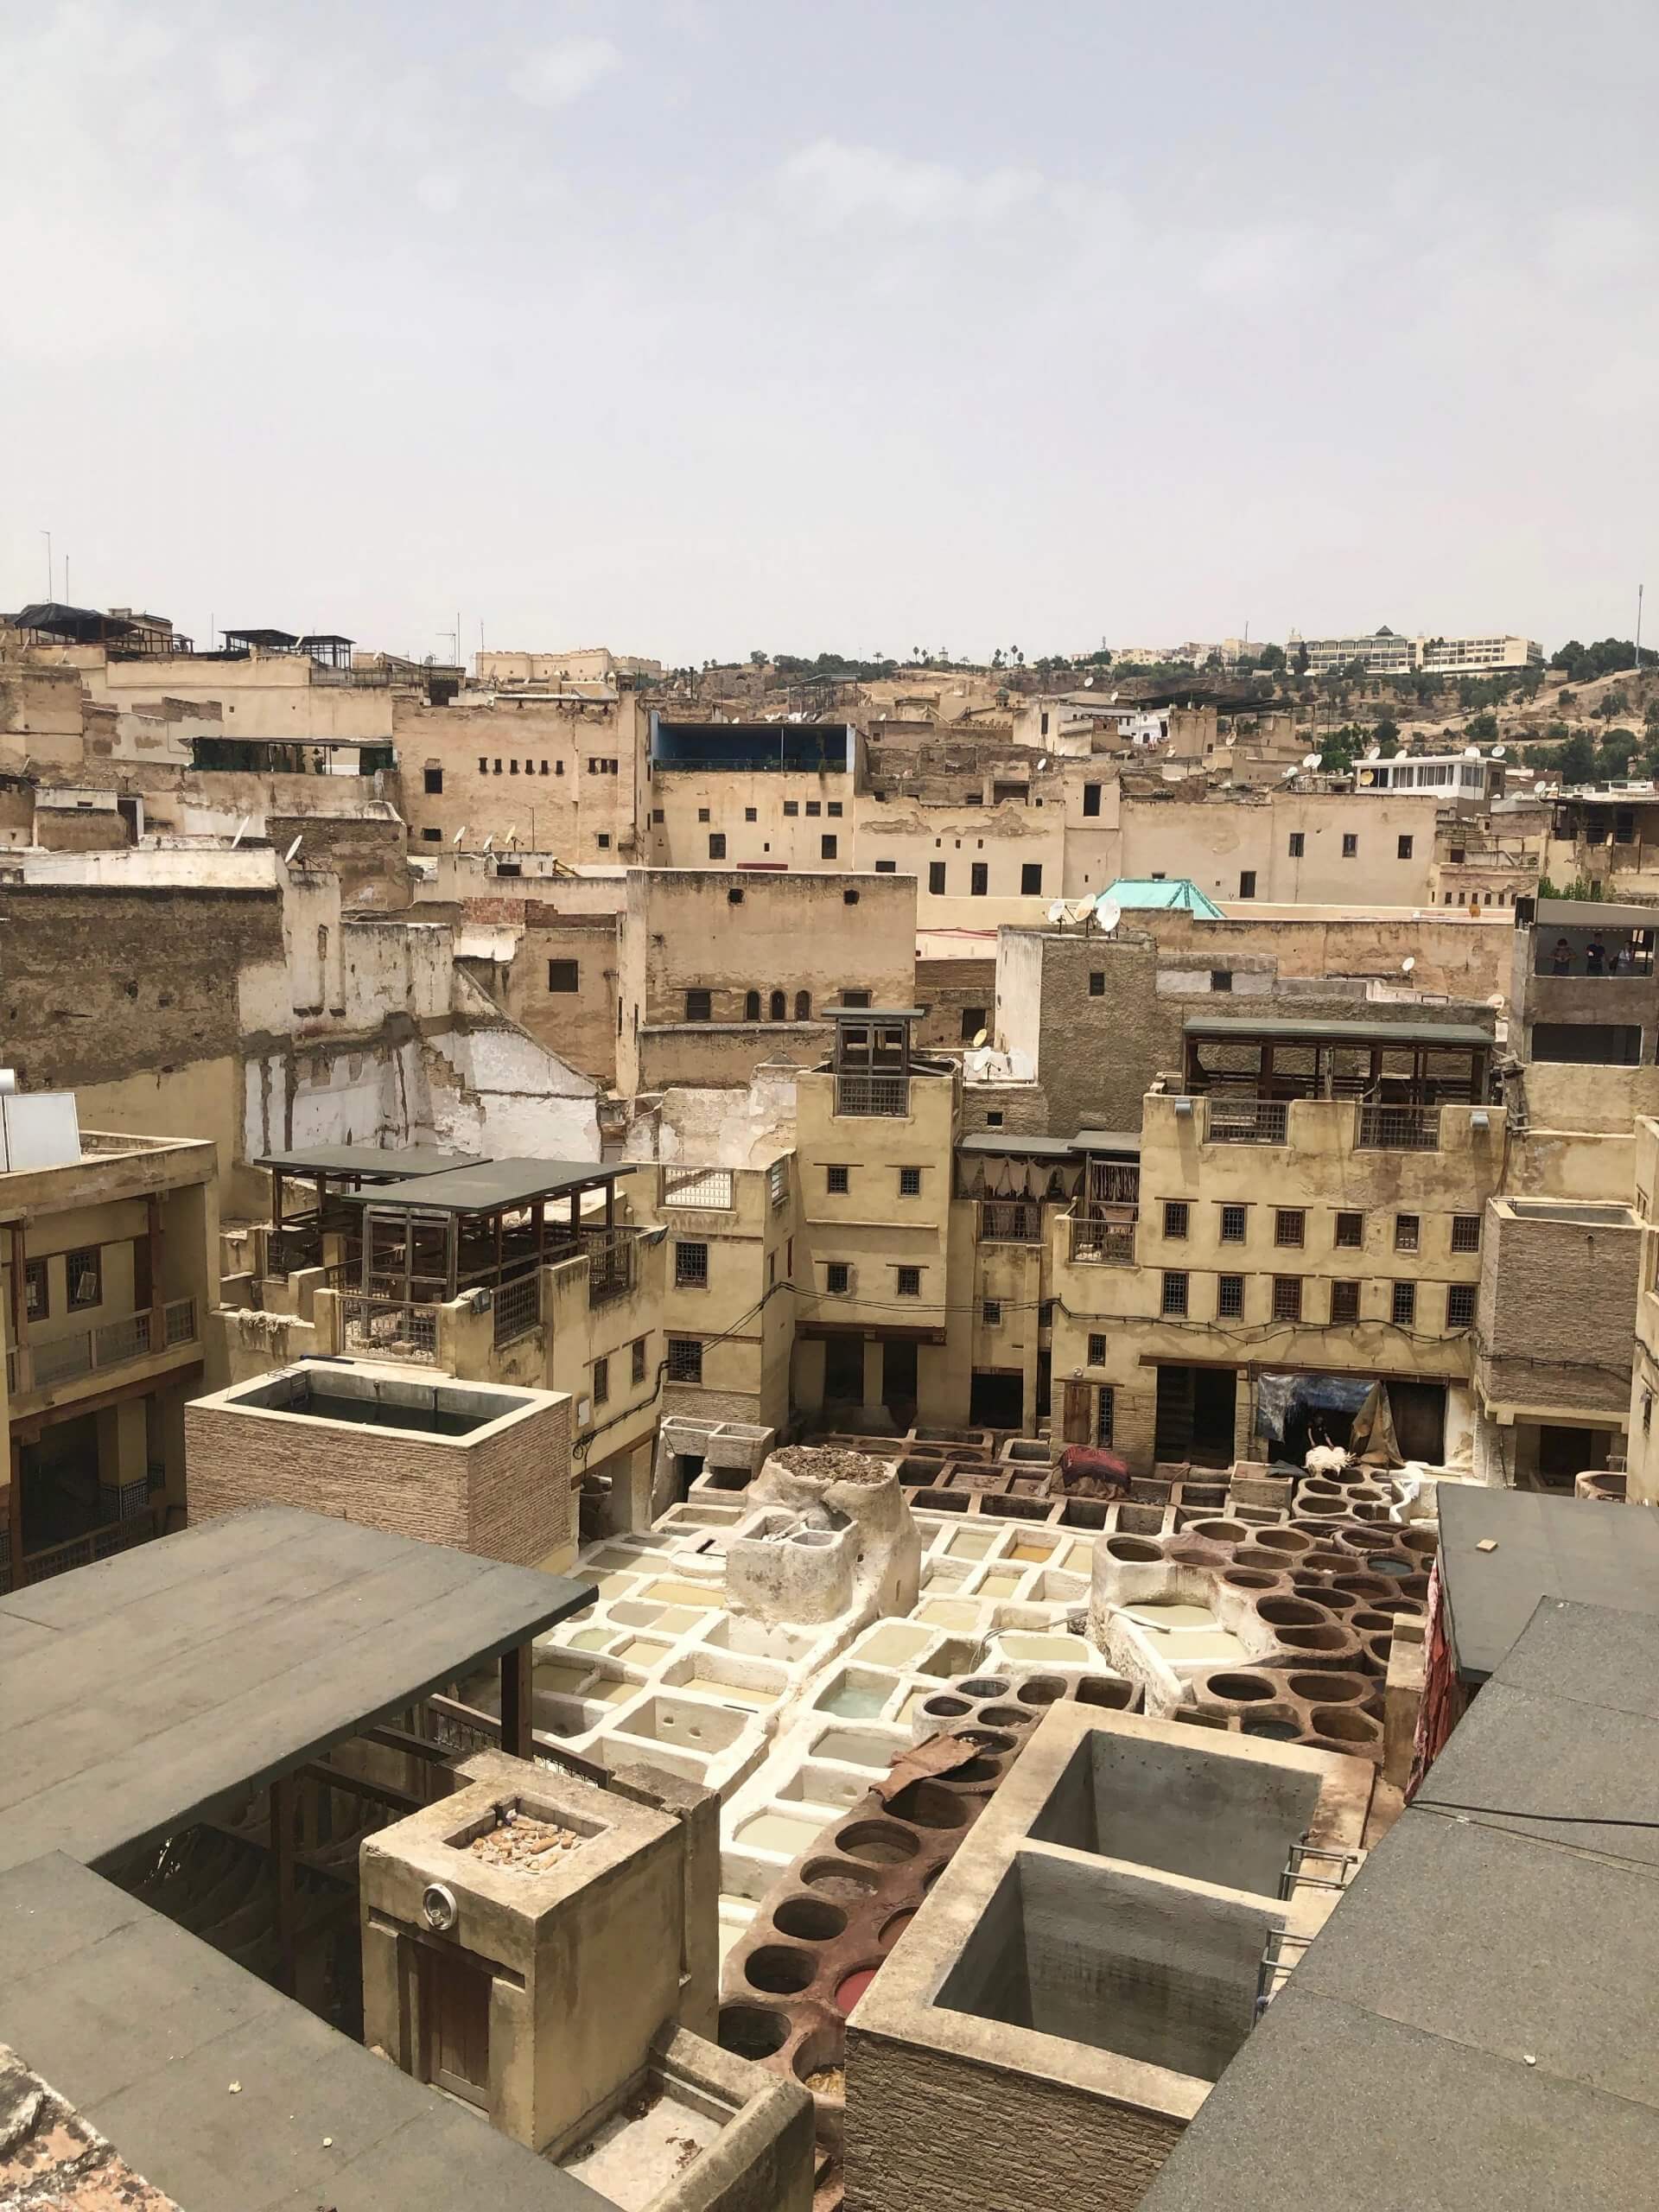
1482	729
1300	662
1618	748
1272	658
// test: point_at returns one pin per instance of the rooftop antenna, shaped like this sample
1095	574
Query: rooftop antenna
1056	912
979	1038
489	841
1500	752
46	535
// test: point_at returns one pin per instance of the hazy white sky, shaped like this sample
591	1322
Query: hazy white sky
692	326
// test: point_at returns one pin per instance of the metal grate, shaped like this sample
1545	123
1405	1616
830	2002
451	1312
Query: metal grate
872	1094
1399	1128
390	1328
1248	1121
1100	1243
1010	1221
179	1321
518	1308
710	1187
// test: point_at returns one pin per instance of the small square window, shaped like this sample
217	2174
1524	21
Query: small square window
837	1181
1350	1231
848	898
564	976
972	1021
1458	854
703	814
886	868
1221	979
1403	1304
751	814
636	1360
1289	1225
684	1359
832	806
603	840
910	1182
602	1381
1174	1296
1030	880
992	1313
994	1120
1344	1303
1350	846
1230	1297
855	998
826	848
1097	1352
1247	883
84	1273
838	1278
813	807
1234	1222
690	1265
1460	1306
791	806
1175	1213
432	779
910	1282
699	1006
432	837
717	844
1298	844
1407	1230
1286	1298
657	815
1097	983
1404	848
1465	1232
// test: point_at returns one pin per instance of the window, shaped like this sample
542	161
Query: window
979	878
1465	1232
1175	1218
734	896
1344	1303
699	1006
1457	853
1460	1306
690	1265
1406	1232
777	1007
37	1290
483	766
1286	1298
1097	983
544	769
993	1314
886	868
558	770
812	806
910	1182
1174	1294
752	1005
1097	1352
1289	1225
1403	1308
832	806
1030	880
791	806
837	1181
1045	1314
972	1021
1091	794
1230	1297
751	814
657	815
495	768
636	1360
602	1381
603	840
564	976
84	1273
838	1278
826	848
717	844
1298	844
1235	1220
1403	848
848	898
802	1006
432	837
1247	883
1104	1410
512	767
684	1359
855	998
702	811
1221	979
910	1282
1350	846
1350	1231
936	878
994	1120
432	779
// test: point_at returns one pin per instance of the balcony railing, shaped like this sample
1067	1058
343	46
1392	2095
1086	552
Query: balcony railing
708	1189
872	1094
389	1328
1010	1221
610	1263
1098	1243
517	1308
288	1250
102	1542
1399	1128
1247	1121
90	1352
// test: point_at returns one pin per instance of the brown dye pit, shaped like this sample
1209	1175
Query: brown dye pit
1243	1689
894	1928
1004	1716
838	1879
1342	1725
779	1970
752	2030
813	1919
927	1804
1041	1689
1329	1689
878	1843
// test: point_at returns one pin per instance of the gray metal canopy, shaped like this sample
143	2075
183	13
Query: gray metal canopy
496	1185
379	1163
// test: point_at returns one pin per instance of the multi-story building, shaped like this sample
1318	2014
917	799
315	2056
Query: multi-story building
1607	840
728	1289
108	1269
1305	1224
1583	987
547	770
1385	652
767	795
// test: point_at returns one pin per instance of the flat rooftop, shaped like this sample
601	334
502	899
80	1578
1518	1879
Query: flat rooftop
390	1162
490	1185
145	1691
1578	1548
1474	2027
1454	1035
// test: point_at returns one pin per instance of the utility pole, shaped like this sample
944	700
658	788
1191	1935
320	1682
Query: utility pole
1639	589
46	535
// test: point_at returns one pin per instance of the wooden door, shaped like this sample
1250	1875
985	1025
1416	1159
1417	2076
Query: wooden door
455	2014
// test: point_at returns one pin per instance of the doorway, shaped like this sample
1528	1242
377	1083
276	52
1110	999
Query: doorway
1565	1454
455	2024
843	1371
1196	1411
899	1380
997	1399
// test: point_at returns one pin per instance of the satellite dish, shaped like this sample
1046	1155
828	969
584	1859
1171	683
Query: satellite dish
489	841
1366	776
1472	752
1230	740
240	827
1497	1000
980	1040
1408	964
459	834
288	857
1310	761
1056	912
1498	752
1087	903
1376	753
1043	763
1088	681
1108	913
1285	773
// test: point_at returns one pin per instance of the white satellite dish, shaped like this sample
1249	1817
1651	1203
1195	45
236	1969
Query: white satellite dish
980	1040
1497	1000
1472	752
1309	759
1108	913
1408	964
489	841
459	834
1230	738
1375	754
513	834
1087	903
1043	763
1056	912
1499	752
240	828
1285	773
288	857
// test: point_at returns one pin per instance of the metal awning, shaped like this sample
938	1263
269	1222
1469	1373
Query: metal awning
495	1185
1453	1036
369	1162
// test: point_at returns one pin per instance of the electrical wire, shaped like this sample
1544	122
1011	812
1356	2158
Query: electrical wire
1507	1813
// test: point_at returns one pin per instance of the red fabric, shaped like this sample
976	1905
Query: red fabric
1088	1462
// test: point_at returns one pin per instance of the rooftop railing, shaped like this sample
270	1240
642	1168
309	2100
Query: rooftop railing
872	1094
1095	1242
1247	1121
1399	1128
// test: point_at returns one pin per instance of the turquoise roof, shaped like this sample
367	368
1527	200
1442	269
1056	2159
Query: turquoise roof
1130	891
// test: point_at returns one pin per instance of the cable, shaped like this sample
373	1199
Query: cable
1505	1813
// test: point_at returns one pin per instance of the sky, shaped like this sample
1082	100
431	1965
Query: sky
697	327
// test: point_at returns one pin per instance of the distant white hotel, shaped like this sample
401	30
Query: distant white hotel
1384	654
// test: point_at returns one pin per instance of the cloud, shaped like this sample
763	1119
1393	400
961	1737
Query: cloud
558	74
836	184
1589	245
439	192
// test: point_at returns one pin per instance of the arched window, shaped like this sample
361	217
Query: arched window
751	1006
779	1007
802	1006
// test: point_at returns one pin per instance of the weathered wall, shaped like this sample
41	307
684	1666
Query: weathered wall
1212	841
490	758
1557	1310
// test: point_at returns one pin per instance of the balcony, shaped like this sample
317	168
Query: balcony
389	1328
93	1351
1094	1242
610	1263
872	1094
1247	1121
1399	1128
1010	1221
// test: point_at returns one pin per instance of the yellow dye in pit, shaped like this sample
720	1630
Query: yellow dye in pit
775	1832
950	1612
731	1692
591	1639
970	1543
642	1650
614	1693
616	1585
998	1586
1031	1552
699	1596
562	1681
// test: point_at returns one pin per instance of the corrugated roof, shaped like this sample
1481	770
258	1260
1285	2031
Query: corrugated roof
1454	1035
1165	894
